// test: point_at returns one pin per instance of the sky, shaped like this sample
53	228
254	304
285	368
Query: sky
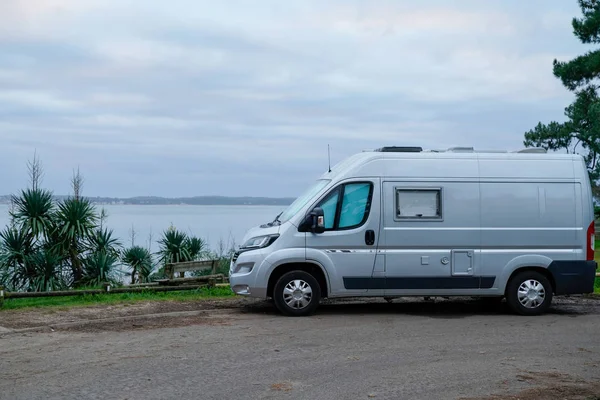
241	98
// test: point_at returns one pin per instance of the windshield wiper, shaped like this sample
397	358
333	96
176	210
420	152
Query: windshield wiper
276	220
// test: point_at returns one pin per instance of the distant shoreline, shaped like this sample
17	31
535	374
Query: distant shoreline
181	201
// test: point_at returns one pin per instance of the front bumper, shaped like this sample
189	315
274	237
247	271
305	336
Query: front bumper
244	272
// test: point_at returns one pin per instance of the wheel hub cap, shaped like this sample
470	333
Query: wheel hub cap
297	294
531	293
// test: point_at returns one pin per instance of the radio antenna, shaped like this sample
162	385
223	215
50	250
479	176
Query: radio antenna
329	157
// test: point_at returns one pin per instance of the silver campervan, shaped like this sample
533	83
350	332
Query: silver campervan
400	221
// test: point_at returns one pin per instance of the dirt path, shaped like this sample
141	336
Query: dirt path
349	350
124	314
157	314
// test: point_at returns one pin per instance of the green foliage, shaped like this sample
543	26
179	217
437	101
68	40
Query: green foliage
48	244
102	240
15	247
139	260
15	244
586	28
33	210
173	247
580	133
176	246
76	218
83	300
52	245
46	271
195	247
99	267
25	265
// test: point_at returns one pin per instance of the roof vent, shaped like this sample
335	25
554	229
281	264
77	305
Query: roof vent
461	149
532	150
400	149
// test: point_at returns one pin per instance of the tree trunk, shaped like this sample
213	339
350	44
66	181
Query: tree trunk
133	276
75	265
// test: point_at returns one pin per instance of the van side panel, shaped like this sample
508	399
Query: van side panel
432	255
418	247
530	218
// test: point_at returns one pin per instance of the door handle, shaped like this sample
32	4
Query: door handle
370	237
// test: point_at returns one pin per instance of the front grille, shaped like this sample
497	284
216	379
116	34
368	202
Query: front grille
235	256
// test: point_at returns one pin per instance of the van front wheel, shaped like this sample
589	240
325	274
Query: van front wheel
297	293
529	293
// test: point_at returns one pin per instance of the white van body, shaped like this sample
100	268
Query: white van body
406	222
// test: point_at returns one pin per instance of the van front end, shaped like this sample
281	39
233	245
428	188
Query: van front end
247	260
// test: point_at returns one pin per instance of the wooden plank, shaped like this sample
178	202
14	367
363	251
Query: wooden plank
200	265
142	284
194	263
193	279
58	293
21	295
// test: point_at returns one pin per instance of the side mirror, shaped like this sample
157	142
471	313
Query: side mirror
314	221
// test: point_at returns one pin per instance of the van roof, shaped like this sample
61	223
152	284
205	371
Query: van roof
458	162
418	149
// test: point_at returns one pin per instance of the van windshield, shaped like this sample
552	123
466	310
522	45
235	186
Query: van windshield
301	201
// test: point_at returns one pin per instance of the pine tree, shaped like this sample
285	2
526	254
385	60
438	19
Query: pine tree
581	131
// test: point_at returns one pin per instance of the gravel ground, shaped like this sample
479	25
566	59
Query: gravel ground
352	349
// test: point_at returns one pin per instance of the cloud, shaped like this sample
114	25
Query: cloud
35	99
190	97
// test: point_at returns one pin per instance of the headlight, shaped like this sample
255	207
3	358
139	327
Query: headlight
259	242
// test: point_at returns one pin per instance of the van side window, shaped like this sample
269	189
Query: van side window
354	204
347	206
418	203
329	206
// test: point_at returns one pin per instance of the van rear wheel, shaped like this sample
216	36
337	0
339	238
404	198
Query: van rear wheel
529	293
297	293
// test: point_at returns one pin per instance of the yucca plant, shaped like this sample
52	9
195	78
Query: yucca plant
98	268
196	248
139	260
173	247
15	246
45	266
77	218
76	221
103	240
33	210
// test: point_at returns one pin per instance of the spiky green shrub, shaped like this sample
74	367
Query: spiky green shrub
139	260
99	268
33	211
47	271
76	220
173	247
103	240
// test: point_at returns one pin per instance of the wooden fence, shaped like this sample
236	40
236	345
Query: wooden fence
165	285
182	267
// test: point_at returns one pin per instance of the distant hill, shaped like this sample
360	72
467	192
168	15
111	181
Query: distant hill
197	200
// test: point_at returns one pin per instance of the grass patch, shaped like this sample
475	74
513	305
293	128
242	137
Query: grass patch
86	300
597	285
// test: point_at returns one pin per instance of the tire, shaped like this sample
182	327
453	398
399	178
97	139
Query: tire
305	298
534	283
